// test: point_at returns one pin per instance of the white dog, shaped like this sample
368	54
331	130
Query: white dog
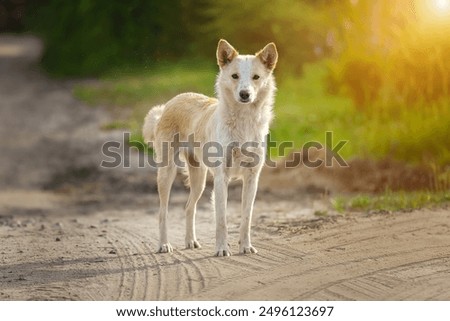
239	118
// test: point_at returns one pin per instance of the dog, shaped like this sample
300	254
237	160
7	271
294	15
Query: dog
240	115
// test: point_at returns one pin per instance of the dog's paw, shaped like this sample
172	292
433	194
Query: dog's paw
165	248
247	250
223	250
223	253
193	244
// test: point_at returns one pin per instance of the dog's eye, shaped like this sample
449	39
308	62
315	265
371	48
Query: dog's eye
255	77
235	76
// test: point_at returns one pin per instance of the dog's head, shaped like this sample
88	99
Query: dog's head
245	75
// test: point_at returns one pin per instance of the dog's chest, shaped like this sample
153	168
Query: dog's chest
244	127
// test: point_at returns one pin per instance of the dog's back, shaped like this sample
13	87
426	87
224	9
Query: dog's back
185	114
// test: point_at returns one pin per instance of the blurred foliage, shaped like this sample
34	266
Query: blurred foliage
92	36
297	27
11	15
391	54
383	53
391	59
85	37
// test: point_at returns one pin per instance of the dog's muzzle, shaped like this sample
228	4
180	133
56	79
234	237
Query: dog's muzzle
244	96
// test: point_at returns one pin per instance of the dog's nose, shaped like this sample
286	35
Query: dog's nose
244	94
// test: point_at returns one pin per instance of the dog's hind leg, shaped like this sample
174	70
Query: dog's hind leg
197	178
166	176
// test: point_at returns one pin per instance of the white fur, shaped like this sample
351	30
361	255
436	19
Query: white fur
226	120
150	122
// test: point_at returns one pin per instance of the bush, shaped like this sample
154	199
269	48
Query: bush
297	27
90	36
85	37
393	63
399	60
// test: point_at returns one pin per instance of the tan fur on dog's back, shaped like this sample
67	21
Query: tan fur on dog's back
150	122
184	114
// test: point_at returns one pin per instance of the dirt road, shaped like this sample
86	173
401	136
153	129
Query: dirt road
70	230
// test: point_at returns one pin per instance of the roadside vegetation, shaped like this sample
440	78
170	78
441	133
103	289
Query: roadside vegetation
391	201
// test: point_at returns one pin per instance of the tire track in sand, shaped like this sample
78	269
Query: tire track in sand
155	276
141	263
372	258
123	268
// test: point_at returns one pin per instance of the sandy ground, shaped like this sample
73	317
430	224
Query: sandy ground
70	230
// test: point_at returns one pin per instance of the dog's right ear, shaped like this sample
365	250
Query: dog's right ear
268	56
225	53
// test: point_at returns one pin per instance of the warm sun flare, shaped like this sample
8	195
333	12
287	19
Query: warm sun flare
442	5
434	14
439	7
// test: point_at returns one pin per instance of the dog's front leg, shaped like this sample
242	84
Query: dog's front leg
249	187
220	206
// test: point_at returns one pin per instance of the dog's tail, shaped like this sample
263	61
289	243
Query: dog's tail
150	122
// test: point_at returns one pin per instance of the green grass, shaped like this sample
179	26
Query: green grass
391	201
415	134
131	87
303	113
130	93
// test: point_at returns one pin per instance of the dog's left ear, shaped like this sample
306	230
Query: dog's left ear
225	53
268	56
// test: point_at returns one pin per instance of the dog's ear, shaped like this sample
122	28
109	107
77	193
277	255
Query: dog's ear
268	56
225	53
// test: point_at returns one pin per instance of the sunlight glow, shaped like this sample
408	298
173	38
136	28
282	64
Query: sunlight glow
434	16
439	8
442	5
434	7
